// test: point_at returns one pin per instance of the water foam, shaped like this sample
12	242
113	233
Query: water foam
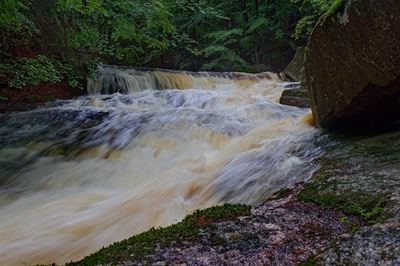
81	174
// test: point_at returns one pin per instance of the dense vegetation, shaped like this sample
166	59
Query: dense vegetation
63	40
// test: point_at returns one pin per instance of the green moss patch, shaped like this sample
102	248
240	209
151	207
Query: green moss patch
312	261
138	247
337	6
368	207
282	193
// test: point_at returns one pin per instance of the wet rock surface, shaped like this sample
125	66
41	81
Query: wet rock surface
353	65
378	245
367	164
282	231
359	169
296	97
295	69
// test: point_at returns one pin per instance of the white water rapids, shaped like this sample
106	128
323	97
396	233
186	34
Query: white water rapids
80	174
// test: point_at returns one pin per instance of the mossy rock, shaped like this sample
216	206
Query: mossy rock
140	247
359	175
368	207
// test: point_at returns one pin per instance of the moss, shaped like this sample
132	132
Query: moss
312	261
139	247
337	7
368	207
282	193
49	97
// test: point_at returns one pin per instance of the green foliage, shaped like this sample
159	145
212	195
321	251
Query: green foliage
305	26
30	71
3	97
257	23
337	5
130	32
311	11
76	34
137	247
223	58
12	15
232	35
222	53
224	36
71	75
25	72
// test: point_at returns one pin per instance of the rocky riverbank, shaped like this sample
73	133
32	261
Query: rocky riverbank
361	175
348	213
12	100
283	231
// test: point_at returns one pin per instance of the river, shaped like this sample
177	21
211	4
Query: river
145	149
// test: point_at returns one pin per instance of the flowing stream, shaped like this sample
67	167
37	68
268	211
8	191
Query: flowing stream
144	150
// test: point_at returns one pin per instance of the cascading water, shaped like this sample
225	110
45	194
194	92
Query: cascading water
81	174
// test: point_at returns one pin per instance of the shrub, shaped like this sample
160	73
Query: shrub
29	72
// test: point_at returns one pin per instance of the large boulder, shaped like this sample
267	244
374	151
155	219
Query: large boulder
353	64
295	70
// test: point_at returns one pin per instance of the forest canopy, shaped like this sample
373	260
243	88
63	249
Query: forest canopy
53	40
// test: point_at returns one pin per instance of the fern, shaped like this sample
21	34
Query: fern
311	11
223	58
224	35
215	49
257	23
305	26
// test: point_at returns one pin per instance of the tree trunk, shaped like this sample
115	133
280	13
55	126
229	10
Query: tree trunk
257	7
243	5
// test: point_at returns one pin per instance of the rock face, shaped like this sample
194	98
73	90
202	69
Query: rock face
359	169
295	69
353	64
296	97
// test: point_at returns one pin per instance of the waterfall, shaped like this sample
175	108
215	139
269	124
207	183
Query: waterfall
125	80
144	149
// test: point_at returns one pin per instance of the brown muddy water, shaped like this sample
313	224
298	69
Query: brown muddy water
80	174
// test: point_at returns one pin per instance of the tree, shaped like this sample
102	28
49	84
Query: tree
72	36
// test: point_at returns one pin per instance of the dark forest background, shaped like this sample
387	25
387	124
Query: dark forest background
64	40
